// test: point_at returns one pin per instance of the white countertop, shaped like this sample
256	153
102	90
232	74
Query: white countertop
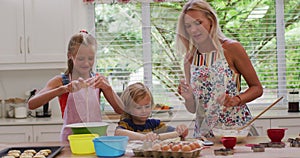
30	121
176	117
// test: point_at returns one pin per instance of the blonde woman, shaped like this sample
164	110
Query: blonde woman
213	68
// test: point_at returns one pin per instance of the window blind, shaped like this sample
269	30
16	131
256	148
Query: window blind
119	31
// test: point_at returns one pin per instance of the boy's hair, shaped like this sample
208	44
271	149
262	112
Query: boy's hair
81	38
133	94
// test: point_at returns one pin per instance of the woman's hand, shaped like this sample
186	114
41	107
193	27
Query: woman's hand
182	130
185	90
232	100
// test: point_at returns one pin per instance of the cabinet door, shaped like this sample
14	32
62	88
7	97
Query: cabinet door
47	133
262	125
292	125
12	31
16	134
47	30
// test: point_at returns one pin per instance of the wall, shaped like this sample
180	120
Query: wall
16	83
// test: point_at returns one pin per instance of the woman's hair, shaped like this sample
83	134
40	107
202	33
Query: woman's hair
184	42
81	38
133	94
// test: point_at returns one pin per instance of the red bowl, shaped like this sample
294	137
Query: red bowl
228	142
276	134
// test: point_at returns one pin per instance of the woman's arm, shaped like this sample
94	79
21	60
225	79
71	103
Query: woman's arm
184	88
241	63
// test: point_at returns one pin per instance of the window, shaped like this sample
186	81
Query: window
125	54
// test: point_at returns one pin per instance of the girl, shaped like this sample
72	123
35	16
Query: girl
135	122
78	89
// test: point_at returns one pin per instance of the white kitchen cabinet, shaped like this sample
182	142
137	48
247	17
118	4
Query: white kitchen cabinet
15	134
47	133
30	133
34	31
292	125
262	125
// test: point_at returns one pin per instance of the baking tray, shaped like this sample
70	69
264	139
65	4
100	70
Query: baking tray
54	150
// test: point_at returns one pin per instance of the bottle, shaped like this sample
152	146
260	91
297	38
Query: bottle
293	101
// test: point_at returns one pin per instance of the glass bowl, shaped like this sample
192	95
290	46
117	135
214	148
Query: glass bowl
221	131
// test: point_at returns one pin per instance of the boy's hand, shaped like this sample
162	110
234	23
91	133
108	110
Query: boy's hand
182	130
150	137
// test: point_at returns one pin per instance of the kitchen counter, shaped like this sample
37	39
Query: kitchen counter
240	150
114	118
30	121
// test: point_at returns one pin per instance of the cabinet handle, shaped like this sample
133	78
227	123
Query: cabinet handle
21	45
29	138
37	138
28	44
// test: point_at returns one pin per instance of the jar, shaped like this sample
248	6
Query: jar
9	108
293	101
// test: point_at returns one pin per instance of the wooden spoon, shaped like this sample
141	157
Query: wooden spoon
266	109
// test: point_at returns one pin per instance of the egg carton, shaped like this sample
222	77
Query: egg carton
166	154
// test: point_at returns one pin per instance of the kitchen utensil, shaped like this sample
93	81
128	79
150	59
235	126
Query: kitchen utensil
20	110
206	142
168	135
82	143
256	117
229	142
110	146
276	134
43	111
99	128
229	131
54	150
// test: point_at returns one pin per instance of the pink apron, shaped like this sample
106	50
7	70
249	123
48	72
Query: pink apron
82	106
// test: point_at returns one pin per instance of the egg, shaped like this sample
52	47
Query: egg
175	147
186	148
165	147
197	145
156	147
193	146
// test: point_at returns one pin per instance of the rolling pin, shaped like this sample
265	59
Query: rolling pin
169	135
